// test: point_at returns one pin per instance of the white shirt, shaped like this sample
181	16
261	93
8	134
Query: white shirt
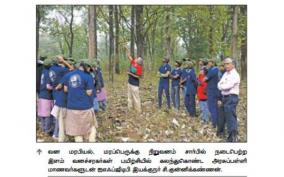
230	83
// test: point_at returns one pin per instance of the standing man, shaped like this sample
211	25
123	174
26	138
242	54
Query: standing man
190	80
164	83
175	76
229	87
212	78
134	75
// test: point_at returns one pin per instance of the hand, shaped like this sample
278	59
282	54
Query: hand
60	59
219	103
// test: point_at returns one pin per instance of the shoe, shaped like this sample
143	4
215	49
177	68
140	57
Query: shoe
232	137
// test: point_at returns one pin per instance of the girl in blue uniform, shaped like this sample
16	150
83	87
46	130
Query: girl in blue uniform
164	74
80	118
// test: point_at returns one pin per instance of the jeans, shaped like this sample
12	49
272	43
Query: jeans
228	114
176	96
204	110
213	106
96	105
189	102
165	87
47	124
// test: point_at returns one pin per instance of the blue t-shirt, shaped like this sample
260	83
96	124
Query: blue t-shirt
191	80
56	73
44	92
163	70
78	82
176	72
212	78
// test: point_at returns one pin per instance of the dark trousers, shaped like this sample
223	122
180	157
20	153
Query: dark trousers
228	115
189	102
213	106
175	96
165	87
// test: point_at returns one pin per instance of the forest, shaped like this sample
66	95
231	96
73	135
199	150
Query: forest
153	32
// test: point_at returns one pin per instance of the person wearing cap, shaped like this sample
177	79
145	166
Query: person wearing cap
134	100
190	80
164	82
212	79
80	121
175	76
56	74
229	87
45	100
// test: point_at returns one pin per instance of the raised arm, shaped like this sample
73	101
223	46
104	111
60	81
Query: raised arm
128	54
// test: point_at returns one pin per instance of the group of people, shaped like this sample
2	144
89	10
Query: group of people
70	93
217	90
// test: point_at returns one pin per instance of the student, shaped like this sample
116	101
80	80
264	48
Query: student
164	74
45	100
202	96
212	79
229	86
56	74
189	77
80	119
133	83
221	121
175	76
101	91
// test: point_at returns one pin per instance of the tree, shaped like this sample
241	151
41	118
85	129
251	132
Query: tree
111	42
234	47
244	44
132	37
92	32
38	18
116	22
139	30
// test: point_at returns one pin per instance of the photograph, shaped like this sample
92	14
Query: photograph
141	73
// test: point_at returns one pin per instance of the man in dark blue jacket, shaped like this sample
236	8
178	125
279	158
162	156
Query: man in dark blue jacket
212	78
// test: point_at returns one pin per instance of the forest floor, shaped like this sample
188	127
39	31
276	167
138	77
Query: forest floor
117	124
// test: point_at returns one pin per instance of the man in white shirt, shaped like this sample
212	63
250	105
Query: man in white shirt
229	87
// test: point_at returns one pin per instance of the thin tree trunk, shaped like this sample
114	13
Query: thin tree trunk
38	19
234	46
132	42
168	50
111	43
211	44
116	40
71	31
244	47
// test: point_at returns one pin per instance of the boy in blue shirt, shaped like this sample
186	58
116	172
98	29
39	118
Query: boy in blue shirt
175	76
164	74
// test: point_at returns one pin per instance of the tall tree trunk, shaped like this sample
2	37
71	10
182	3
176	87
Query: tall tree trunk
132	41
116	39
111	43
38	19
244	46
139	30
234	46
71	31
211	30
168	49
92	32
